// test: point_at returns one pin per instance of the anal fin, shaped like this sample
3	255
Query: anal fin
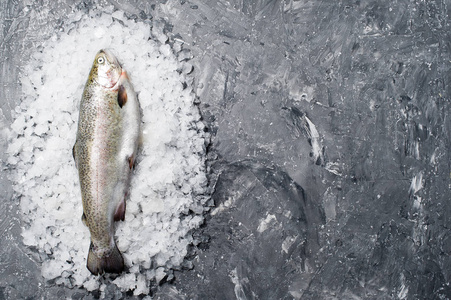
131	161
119	214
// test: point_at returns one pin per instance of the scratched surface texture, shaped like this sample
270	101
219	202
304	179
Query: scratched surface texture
330	153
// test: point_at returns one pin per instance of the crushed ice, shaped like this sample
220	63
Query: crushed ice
168	188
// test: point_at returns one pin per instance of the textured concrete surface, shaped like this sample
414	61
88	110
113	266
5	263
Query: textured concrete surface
330	152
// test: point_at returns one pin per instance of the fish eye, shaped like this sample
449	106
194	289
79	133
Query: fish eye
100	60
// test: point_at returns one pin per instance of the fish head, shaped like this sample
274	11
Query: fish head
106	69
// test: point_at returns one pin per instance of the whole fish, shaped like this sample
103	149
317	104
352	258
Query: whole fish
104	153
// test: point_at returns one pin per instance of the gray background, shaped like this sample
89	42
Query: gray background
372	76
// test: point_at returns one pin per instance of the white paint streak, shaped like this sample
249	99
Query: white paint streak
223	206
417	150
415	186
333	168
314	136
433	157
264	223
288	242
417	183
404	290
239	291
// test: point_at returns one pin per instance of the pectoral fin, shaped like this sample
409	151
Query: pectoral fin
121	96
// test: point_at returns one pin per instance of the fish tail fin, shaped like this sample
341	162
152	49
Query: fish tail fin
113	263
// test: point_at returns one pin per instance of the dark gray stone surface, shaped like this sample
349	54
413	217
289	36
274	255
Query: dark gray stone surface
330	153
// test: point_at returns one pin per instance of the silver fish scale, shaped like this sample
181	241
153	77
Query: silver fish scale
106	143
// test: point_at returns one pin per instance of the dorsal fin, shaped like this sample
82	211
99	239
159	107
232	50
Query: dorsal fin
121	96
83	218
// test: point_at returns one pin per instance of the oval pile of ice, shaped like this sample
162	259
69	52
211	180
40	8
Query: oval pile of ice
165	200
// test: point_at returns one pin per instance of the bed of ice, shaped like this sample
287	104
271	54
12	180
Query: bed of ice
169	185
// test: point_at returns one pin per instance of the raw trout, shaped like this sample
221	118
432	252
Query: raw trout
104	153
